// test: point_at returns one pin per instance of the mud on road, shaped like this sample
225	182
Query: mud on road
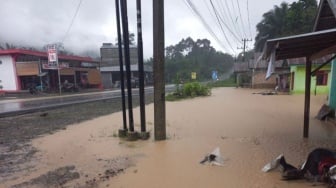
16	133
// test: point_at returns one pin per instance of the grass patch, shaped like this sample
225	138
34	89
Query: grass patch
222	83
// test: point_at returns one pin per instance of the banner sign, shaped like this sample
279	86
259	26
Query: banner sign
52	56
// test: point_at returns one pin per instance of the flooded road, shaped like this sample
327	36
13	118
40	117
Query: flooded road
249	129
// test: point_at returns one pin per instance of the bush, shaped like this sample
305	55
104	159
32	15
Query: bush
189	90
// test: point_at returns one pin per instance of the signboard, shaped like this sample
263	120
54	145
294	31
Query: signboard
48	65
193	75
52	57
214	75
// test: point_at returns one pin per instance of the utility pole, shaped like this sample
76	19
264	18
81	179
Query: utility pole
121	67
244	47
159	82
124	19
143	134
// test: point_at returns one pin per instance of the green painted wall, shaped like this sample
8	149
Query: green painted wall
300	78
332	94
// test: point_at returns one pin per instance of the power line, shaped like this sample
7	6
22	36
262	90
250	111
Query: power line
248	17
192	7
223	21
72	20
231	18
218	17
213	7
224	17
241	18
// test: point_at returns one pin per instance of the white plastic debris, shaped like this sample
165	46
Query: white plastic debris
272	165
219	161
214	158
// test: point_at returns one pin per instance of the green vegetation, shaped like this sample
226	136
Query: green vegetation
195	56
189	90
285	20
222	83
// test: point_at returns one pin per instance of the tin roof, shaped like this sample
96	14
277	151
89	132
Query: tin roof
314	45
44	54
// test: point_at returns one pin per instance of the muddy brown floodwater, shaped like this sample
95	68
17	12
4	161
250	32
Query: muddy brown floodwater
250	130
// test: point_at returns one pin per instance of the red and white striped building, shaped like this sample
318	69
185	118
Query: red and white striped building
21	68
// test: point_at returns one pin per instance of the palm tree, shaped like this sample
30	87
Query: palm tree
271	26
286	20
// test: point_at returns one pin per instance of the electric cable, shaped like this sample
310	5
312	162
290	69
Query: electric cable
192	7
72	21
241	18
248	17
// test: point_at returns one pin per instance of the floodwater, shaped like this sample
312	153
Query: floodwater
250	130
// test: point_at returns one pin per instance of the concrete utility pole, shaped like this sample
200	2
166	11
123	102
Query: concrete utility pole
121	67
159	82
244	47
141	70
124	19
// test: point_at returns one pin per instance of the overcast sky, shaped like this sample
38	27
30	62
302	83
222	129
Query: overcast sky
40	22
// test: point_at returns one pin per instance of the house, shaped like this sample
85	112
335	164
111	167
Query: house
326	19
311	46
22	69
320	83
252	74
110	66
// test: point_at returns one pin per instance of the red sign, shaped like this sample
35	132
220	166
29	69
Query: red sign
52	57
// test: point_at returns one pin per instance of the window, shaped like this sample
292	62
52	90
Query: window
321	78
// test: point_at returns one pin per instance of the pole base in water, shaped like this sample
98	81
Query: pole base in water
144	135
122	133
132	136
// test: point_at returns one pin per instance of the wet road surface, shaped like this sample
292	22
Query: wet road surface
21	106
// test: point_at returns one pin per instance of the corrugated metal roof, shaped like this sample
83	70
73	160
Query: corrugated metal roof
44	54
304	45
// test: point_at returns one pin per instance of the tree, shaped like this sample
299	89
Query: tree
300	17
271	26
293	19
195	56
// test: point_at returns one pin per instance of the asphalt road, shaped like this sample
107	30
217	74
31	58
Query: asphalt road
21	106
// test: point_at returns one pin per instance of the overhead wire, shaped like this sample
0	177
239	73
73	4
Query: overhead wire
241	18
236	30
192	7
236	20
231	18
248	17
224	22
72	20
220	25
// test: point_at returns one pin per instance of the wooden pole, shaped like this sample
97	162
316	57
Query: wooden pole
307	99
159	83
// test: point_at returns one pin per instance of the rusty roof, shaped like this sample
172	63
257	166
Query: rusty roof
326	16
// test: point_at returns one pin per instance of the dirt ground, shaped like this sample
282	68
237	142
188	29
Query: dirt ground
250	130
